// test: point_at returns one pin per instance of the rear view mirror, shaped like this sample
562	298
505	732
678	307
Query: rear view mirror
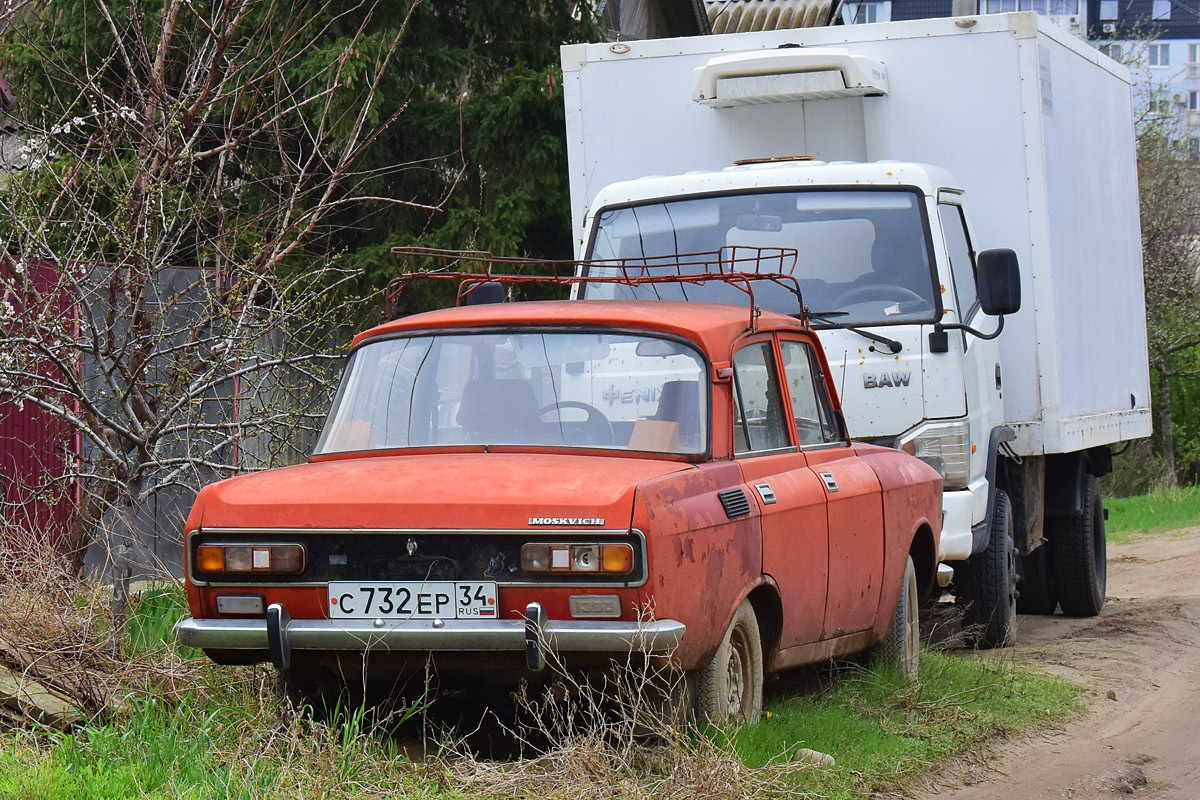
998	279
759	222
658	348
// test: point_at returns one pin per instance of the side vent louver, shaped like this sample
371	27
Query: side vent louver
735	501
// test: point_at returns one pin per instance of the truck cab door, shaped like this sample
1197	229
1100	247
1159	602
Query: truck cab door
982	376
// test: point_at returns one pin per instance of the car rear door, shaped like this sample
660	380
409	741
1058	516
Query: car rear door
790	496
852	492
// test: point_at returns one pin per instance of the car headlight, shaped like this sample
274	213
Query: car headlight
945	446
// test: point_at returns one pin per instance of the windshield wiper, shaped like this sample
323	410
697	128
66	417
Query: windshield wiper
823	317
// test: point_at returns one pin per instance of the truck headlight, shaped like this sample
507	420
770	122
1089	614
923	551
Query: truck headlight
945	446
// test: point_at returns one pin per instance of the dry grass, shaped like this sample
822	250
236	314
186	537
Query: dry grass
221	731
56	630
627	733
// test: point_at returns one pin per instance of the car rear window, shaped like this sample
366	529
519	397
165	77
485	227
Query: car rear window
557	389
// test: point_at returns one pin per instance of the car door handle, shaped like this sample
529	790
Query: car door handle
830	481
766	493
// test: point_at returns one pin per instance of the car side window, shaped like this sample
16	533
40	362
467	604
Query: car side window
962	265
759	417
811	410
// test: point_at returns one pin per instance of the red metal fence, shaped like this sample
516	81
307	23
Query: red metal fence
37	450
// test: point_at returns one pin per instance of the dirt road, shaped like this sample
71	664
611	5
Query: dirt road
1140	660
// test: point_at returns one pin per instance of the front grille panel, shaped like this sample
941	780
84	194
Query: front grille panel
435	555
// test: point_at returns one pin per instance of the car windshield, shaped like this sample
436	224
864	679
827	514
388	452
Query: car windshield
544	389
862	254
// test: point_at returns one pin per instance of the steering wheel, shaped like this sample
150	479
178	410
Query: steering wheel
876	291
596	430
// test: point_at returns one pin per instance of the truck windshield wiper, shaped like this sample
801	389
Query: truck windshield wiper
824	317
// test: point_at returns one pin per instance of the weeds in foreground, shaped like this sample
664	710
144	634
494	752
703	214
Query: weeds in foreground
57	638
168	724
624	734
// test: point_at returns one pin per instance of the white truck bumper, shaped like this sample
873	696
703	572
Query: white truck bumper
961	509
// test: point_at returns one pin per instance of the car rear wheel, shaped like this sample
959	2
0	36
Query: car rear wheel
731	686
900	647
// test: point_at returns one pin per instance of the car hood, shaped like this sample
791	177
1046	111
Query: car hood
442	491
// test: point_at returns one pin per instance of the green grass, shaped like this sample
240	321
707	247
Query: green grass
153	613
231	746
1161	511
227	738
880	732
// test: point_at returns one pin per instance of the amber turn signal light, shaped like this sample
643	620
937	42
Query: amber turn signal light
210	558
233	559
616	558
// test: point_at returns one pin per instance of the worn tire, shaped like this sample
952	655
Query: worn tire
730	687
1080	555
900	647
990	583
1038	592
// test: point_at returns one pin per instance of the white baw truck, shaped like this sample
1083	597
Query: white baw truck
940	182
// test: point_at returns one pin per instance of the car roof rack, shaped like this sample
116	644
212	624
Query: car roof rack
735	265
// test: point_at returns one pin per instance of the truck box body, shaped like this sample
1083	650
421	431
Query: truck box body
1034	125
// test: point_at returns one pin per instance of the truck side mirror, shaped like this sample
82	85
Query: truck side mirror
998	280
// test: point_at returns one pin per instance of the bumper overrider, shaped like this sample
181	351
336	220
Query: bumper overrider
279	634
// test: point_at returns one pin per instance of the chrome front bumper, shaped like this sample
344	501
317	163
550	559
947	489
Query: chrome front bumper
280	634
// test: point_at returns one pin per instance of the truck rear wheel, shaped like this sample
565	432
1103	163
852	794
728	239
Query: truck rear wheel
1038	593
989	583
1080	554
731	686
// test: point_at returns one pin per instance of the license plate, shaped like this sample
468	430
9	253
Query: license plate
412	600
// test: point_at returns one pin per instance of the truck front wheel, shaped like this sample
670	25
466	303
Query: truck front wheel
989	583
1080	554
900	648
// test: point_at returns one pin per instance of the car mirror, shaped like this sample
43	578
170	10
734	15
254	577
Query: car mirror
658	348
759	222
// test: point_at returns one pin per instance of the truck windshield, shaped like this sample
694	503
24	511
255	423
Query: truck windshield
544	389
862	253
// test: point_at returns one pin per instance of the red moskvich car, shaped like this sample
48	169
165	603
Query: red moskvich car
496	481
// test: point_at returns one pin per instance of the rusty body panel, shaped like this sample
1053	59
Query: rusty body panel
702	563
795	541
824	530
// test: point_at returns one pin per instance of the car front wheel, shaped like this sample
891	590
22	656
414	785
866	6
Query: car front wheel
731	686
